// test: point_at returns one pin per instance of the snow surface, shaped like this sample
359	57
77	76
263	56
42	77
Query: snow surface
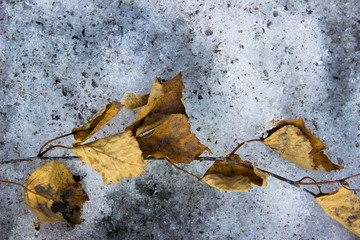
244	62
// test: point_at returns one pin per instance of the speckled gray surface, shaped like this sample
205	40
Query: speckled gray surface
244	64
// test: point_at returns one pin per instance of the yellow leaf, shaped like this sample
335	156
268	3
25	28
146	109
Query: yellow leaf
159	88
156	90
60	198
227	176
172	139
169	103
174	84
151	121
294	142
100	120
344	207
114	157
164	98
131	100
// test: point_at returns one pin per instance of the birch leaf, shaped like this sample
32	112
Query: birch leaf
227	176
131	100
151	122
344	207
172	139
294	142
59	197
114	157
100	120
169	103
158	89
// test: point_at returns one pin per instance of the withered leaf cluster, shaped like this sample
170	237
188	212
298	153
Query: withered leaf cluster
162	130
294	142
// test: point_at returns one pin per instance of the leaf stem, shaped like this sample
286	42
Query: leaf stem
18	184
314	182
183	170
31	159
241	144
52	147
341	181
42	147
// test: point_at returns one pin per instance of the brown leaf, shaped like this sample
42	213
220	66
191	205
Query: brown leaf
151	121
294	142
114	157
131	100
165	98
227	176
344	207
171	139
158	89
100	120
60	198
175	84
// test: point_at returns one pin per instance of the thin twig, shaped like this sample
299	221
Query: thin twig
238	146
342	181
31	159
18	184
327	182
52	147
183	170
315	182
320	183
42	147
353	176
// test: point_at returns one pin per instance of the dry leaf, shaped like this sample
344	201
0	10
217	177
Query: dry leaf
227	176
151	121
169	103
99	121
64	196
158	89
344	207
114	157
172	139
175	84
293	141
131	100
164	98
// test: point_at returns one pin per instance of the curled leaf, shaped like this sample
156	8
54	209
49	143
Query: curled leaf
227	176
344	207
171	139
131	100
100	120
150	122
165	98
114	157
59	197
158	89
294	142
